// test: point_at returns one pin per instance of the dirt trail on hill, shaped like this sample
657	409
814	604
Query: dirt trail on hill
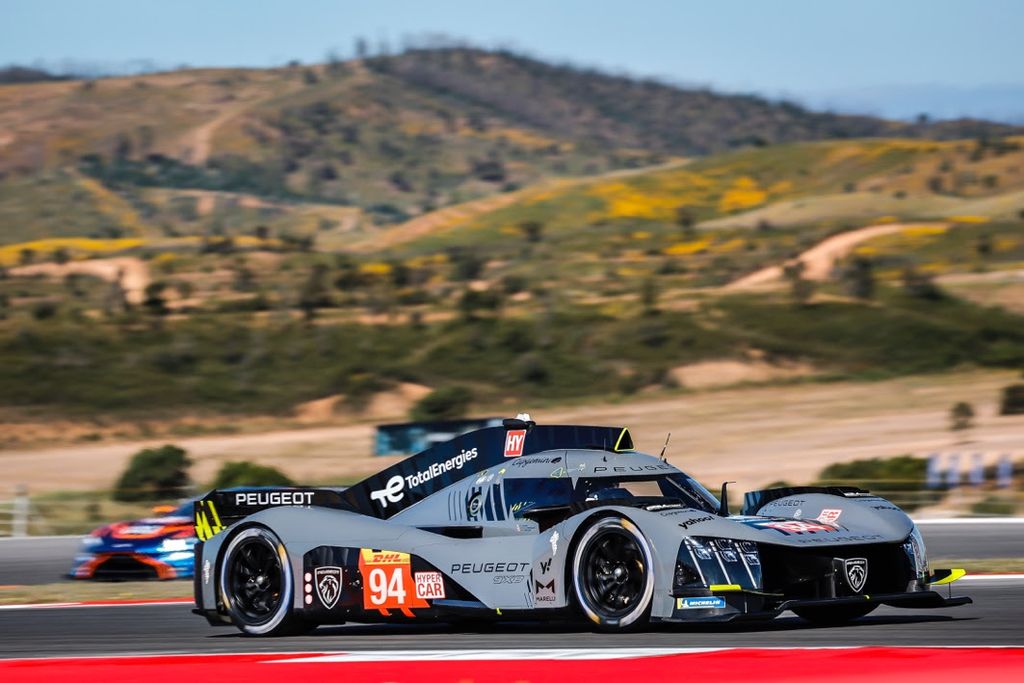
819	259
452	217
133	272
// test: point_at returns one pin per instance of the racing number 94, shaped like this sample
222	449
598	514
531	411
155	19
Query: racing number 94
388	582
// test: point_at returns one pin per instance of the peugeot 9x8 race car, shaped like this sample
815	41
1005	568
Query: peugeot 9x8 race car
530	521
158	547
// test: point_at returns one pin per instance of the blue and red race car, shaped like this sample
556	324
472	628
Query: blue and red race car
152	548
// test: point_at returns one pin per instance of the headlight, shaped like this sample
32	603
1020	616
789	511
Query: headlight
914	548
175	545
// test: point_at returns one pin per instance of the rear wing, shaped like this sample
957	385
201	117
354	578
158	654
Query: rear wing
221	508
409	481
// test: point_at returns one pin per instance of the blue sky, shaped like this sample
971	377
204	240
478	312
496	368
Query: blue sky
895	57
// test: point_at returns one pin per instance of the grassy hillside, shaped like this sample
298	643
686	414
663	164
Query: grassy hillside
390	137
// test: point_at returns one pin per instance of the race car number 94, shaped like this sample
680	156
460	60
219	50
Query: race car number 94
387	581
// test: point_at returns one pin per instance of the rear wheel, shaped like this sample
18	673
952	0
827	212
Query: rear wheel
256	584
613	575
833	616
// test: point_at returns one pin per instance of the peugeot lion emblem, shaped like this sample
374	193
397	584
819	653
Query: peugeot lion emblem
328	585
856	573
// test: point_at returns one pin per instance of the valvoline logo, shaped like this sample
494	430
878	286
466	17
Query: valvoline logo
713	602
515	439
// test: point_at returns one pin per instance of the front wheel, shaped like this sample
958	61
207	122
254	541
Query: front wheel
256	584
613	575
833	616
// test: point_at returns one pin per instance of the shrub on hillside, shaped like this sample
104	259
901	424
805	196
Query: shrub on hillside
154	474
446	403
1013	400
249	474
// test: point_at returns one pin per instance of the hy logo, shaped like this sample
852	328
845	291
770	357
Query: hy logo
391	493
514	440
328	585
856	573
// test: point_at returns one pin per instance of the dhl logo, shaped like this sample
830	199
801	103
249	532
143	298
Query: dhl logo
384	557
207	520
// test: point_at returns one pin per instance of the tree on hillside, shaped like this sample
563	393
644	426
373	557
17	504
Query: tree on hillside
859	278
649	296
983	246
800	288
961	416
155	302
154	474
445	403
314	293
533	231
685	220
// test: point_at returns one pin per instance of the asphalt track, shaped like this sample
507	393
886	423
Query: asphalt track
47	559
993	619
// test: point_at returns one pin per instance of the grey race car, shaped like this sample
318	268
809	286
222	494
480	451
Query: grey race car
538	522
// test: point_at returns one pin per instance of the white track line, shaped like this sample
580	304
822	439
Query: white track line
70	605
970	520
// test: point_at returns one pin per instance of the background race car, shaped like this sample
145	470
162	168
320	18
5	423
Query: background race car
158	547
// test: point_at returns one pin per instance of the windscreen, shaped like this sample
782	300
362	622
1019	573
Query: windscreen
671	488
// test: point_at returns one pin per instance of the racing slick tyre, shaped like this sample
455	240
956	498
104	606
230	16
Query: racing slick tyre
256	584
833	616
613	575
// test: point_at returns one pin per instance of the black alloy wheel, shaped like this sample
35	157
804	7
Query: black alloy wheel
613	574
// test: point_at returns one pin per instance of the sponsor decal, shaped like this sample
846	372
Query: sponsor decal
274	498
521	505
687	523
484	503
559	473
391	493
394	490
545	567
207	571
515	439
795	526
537	460
856	570
388	582
328	585
489	567
429	585
730	556
798	514
829	516
509	578
634	468
473	505
713	602
544	592
554	542
140	530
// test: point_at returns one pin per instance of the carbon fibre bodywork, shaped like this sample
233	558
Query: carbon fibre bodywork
488	525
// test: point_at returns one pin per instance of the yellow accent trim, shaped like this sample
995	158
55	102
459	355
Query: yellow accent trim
624	432
724	587
202	527
216	518
954	575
